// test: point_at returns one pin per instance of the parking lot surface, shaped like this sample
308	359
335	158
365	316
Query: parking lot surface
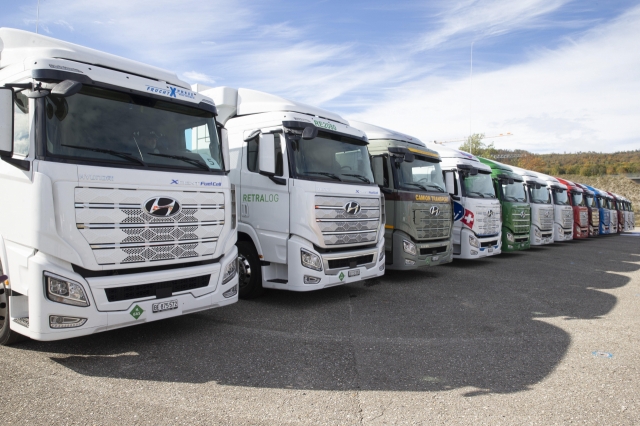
547	336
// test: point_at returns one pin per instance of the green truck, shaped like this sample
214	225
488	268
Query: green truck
419	214
516	212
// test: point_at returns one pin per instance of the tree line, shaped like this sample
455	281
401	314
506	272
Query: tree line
580	163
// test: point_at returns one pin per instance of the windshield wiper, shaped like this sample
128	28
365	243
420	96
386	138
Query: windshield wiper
193	161
361	177
331	175
109	151
476	192
490	195
424	188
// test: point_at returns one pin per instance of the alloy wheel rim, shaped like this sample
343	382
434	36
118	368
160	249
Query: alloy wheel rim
244	271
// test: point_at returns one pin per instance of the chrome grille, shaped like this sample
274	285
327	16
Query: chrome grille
545	217
567	218
119	231
521	225
485	224
595	217
339	227
584	218
428	226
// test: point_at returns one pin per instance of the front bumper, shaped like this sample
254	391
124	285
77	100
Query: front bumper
102	315
328	277
519	241
562	234
540	237
487	246
434	253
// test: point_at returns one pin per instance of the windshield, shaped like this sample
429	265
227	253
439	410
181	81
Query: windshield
539	195
590	201
577	199
114	127
332	157
479	186
560	197
513	192
420	174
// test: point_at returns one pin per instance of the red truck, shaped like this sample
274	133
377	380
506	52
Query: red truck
580	210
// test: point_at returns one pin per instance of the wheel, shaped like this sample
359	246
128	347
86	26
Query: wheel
249	272
7	336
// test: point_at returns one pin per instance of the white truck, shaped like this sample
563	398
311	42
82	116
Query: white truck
311	215
541	207
121	209
562	210
477	226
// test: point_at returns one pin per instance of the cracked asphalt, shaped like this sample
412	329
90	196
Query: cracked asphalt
547	336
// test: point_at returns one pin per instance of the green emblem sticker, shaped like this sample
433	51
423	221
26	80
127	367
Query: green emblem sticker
341	276
136	312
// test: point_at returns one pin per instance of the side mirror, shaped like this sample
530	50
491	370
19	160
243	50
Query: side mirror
377	163
473	171
449	182
224	145
6	121
66	88
267	158
310	132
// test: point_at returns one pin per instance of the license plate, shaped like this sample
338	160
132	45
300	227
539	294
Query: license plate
164	306
354	273
434	258
490	250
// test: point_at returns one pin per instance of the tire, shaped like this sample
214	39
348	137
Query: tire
249	271
7	336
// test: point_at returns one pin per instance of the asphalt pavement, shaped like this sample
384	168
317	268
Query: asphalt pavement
546	336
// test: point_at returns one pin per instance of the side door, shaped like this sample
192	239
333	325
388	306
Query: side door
264	200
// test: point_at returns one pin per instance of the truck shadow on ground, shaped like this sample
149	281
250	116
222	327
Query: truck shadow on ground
475	325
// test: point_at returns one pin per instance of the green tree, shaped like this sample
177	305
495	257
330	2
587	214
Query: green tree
475	146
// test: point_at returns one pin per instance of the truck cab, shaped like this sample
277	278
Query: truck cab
418	207
311	215
610	203
592	210
562	211
580	210
121	209
605	214
516	211
616	204
541	205
477	226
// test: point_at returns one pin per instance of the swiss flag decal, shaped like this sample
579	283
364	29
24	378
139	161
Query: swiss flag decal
468	218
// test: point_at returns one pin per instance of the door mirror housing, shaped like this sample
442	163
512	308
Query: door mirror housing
267	158
224	145
450	182
377	164
310	132
6	121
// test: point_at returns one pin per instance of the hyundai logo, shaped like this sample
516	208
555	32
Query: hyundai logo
434	210
352	208
161	206
522	214
490	213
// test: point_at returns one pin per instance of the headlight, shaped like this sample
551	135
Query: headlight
473	241
510	237
537	232
381	258
230	271
310	260
62	290
409	247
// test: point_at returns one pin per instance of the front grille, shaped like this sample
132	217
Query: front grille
584	218
433	250
567	218
120	231
141	291
431	227
489	243
521	223
545	216
487	222
521	239
595	217
350	262
338	227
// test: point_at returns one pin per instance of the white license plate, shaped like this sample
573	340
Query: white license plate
490	250
354	273
434	258
164	306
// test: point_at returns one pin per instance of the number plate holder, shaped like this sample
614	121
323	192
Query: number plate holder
354	273
164	306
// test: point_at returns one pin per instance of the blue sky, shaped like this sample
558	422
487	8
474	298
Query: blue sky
560	75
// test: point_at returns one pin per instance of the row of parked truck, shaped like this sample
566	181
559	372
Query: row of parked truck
133	196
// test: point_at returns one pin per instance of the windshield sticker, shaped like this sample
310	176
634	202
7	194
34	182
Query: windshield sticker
260	198
194	183
172	92
434	198
213	164
325	125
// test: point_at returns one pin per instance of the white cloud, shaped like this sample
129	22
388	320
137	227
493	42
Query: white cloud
580	97
199	77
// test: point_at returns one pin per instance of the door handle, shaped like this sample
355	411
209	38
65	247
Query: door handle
245	210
